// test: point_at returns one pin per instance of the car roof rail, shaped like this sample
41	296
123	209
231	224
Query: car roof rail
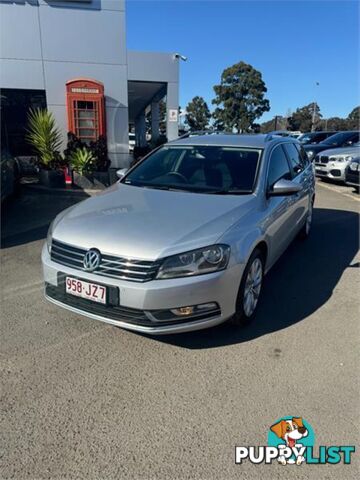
270	136
196	133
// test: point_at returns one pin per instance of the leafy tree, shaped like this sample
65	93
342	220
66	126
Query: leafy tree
354	118
302	118
333	123
278	123
240	98
197	114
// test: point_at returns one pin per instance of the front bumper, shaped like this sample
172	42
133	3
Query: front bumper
331	171
353	179
220	287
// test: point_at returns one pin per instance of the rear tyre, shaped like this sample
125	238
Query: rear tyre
249	291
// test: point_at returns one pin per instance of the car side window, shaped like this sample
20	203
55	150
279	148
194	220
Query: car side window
353	139
296	161
304	158
278	167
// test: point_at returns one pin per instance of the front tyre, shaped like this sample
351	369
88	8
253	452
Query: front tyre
249	290
305	231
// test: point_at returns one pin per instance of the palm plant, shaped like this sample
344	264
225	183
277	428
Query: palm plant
45	137
82	161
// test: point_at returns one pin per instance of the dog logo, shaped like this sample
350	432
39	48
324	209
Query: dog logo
291	440
294	434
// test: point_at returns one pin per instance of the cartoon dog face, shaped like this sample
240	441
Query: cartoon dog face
290	430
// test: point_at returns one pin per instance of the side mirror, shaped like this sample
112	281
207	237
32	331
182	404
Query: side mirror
284	187
121	173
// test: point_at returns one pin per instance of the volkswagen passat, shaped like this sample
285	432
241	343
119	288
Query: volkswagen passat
183	240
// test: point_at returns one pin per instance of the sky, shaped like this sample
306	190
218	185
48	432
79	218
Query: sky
294	44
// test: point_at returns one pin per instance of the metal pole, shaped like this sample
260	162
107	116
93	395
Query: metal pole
314	112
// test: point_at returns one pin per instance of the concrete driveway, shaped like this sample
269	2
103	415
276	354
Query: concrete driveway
82	399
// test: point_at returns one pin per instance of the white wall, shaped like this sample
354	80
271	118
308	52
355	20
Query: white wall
45	43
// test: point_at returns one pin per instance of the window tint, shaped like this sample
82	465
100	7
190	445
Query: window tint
198	168
304	158
353	139
294	157
278	167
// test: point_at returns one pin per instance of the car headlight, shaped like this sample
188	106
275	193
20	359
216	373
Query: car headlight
337	159
310	154
49	236
196	262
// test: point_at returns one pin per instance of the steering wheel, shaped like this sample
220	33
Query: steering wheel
179	175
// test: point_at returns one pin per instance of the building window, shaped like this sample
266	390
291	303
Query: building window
15	104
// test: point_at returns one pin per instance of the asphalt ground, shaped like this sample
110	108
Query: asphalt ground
83	399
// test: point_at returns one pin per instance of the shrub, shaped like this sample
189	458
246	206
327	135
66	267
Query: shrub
82	161
45	137
97	148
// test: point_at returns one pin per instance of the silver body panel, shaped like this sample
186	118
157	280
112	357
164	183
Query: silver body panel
149	224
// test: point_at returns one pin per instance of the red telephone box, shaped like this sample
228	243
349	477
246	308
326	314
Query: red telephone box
86	108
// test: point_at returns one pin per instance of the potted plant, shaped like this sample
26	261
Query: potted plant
45	137
82	162
99	175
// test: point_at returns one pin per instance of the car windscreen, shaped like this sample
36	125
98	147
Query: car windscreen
203	169
306	137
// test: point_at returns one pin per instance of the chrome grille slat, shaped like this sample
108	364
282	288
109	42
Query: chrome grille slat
67	256
128	263
114	267
80	254
124	270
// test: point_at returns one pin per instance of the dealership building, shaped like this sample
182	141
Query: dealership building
71	57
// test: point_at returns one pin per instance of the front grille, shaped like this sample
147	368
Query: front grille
323	159
110	266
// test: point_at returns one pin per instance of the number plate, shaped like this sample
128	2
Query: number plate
90	291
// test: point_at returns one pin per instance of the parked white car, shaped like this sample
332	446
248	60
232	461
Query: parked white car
332	163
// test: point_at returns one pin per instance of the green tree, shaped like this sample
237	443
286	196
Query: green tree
197	114
302	118
333	123
277	123
354	118
240	98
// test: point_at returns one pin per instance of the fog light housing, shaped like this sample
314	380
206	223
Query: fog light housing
204	310
194	309
183	311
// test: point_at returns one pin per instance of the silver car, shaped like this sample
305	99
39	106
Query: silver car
333	163
183	240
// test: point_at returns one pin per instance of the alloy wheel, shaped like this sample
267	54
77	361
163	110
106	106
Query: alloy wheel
253	286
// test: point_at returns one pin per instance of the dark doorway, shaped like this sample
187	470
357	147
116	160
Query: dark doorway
15	104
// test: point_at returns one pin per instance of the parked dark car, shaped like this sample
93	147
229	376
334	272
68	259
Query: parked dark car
312	138
352	174
340	139
9	175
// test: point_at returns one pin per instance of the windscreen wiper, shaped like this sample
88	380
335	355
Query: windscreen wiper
232	191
